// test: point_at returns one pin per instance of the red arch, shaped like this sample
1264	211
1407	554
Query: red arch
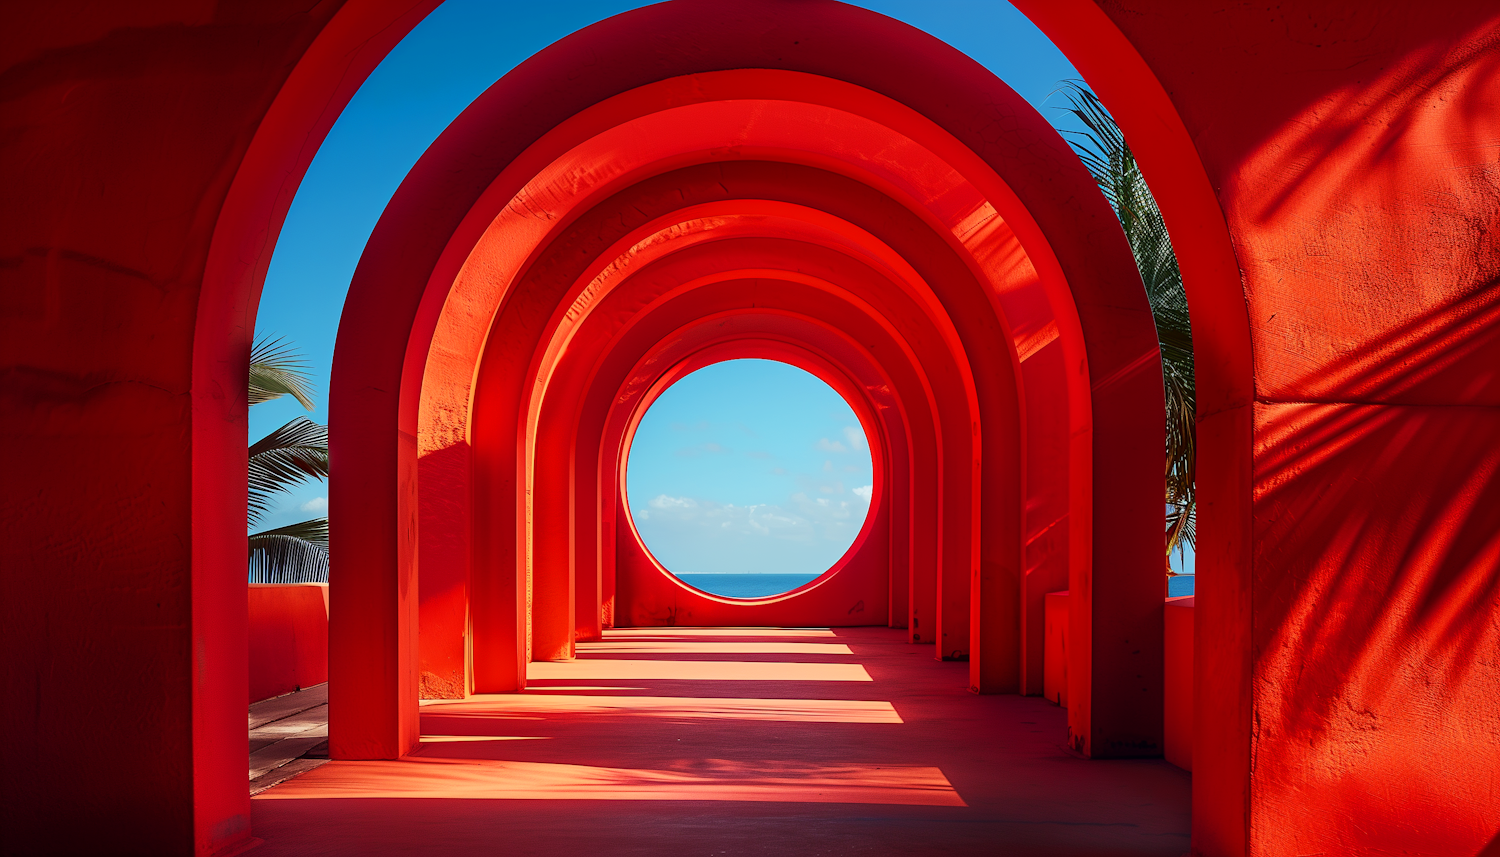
857	343
859	338
1223	363
1121	356
868	556
711	255
729	327
700	259
1048	332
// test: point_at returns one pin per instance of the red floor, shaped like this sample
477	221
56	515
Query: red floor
680	741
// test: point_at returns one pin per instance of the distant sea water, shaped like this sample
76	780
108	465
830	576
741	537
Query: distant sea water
746	585
761	585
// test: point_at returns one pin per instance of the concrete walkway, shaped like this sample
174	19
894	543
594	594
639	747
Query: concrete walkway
679	742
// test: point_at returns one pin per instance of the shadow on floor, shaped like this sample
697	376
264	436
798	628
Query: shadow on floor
682	741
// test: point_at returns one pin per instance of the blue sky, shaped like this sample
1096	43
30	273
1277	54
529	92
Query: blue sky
441	66
749	466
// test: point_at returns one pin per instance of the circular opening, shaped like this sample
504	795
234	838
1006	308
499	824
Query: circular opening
749	478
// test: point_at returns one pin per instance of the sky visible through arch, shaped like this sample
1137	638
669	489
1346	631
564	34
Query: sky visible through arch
433	74
748	467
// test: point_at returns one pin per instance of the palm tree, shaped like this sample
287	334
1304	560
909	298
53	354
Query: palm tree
1103	150
294	453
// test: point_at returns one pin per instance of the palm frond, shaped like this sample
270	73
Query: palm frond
1182	526
296	553
276	370
1106	155
288	456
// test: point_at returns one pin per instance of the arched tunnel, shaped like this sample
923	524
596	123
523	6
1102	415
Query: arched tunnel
938	271
817	184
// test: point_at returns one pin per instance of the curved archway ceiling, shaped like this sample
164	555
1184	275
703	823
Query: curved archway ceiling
762	176
941	256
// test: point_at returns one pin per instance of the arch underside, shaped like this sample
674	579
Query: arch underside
732	212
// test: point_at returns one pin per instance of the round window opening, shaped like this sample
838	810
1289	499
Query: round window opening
749	478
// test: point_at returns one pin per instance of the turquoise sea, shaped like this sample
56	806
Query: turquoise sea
761	585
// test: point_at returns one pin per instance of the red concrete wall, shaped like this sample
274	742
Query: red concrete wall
148	153
1348	425
1177	708
288	637
1055	654
1177	711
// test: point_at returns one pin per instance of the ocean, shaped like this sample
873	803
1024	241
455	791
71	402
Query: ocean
746	585
761	585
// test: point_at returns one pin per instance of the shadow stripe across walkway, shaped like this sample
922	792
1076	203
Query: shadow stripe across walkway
736	741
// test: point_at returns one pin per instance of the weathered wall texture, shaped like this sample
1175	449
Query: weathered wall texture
1349	610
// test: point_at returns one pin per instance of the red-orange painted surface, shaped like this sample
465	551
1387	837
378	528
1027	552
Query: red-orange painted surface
1326	169
288	637
856	588
752	741
981	249
1177	712
1347	352
149	154
1055	656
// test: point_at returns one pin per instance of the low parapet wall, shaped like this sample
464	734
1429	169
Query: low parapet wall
1177	716
288	637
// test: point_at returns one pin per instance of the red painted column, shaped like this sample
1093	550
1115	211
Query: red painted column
747	324
443	545
125	361
551	539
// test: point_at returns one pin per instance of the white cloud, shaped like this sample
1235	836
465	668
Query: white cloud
724	535
856	437
662	501
826	445
864	492
316	504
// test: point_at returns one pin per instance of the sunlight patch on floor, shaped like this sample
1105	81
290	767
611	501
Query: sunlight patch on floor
684	780
675	647
696	708
634	670
678	633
